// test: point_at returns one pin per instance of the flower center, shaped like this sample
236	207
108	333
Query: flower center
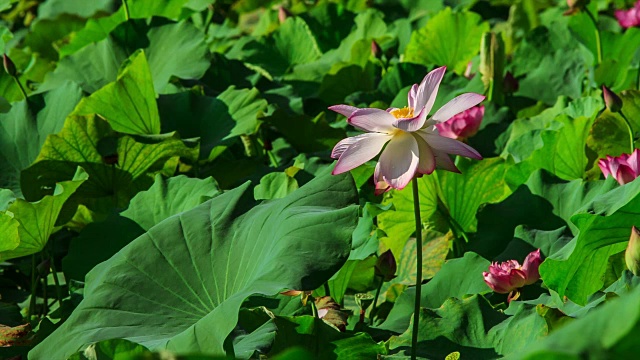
403	113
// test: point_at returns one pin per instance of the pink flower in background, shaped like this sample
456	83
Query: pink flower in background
413	144
629	18
464	125
624	168
508	276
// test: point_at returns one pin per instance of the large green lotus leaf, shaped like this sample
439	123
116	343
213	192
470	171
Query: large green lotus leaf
274	186
323	340
462	194
182	283
46	35
455	279
23	131
245	106
90	142
449	38
129	103
435	248
168	197
99	241
306	134
116	349
473	328
604	225
609	134
53	8
36	220
609	332
290	45
618	50
176	50
553	64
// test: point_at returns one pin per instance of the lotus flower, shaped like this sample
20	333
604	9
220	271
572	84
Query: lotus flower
629	18
463	125
624	168
413	144
508	276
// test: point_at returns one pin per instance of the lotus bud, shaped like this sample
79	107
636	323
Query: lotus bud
632	254
611	100
283	14
463	125
467	72
386	266
530	267
511	84
9	66
376	51
629	18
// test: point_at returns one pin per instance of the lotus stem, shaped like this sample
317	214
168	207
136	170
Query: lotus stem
32	300
416	313
630	129
127	16
24	93
375	299
598	37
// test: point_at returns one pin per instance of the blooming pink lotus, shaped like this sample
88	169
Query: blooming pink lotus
413	144
624	168
464	125
508	276
629	18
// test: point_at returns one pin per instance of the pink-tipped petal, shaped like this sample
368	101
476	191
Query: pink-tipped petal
427	162
530	267
604	167
411	124
344	144
372	120
449	146
443	161
345	110
428	89
457	105
399	160
413	93
360	152
625	174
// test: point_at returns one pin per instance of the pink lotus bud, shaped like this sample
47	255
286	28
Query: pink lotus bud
504	277
386	266
530	267
629	18
632	254
467	72
463	125
9	66
376	51
611	100
510	83
624	168
283	14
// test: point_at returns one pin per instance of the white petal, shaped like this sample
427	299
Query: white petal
361	151
345	110
427	161
381	185
411	124
399	160
457	105
344	144
372	120
413	93
428	89
449	146
443	161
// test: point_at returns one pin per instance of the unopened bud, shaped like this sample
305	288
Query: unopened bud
386	266
9	66
283	14
467	72
510	83
632	254
376	51
611	100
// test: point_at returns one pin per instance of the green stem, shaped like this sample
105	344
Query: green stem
24	93
638	77
631	142
375	300
272	158
314	310
416	313
56	280
127	16
32	302
598	37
